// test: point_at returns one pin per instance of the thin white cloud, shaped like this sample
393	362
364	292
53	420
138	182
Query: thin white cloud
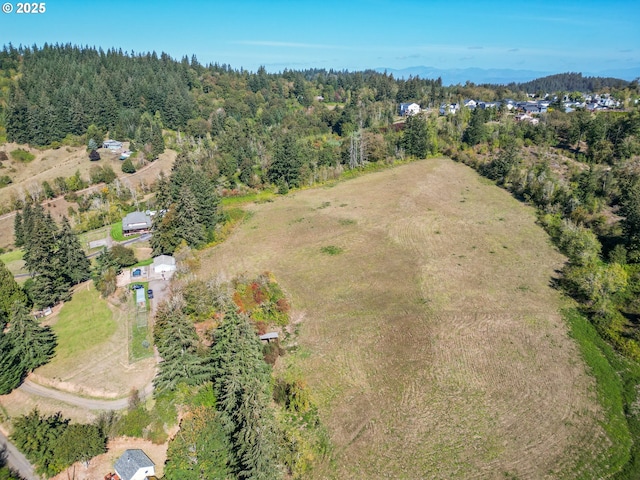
270	43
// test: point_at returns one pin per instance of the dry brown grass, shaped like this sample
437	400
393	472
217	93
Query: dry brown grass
64	162
433	342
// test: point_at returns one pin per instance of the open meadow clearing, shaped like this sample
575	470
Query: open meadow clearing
92	357
428	330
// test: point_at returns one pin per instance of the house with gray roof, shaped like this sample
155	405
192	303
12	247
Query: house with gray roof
134	465
136	222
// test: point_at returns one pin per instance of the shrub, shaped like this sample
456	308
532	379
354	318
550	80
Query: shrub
94	155
127	166
22	155
331	250
5	180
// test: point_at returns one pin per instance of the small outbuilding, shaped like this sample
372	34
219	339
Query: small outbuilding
163	264
112	145
134	464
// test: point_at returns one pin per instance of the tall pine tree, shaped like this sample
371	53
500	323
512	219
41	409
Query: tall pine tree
75	264
10	291
34	343
243	392
182	358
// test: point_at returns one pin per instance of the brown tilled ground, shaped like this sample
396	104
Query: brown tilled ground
432	343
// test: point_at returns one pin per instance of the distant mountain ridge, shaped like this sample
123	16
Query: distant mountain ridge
453	76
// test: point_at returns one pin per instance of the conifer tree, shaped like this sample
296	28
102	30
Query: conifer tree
11	370
10	292
18	230
74	262
165	238
34	343
243	393
179	347
190	225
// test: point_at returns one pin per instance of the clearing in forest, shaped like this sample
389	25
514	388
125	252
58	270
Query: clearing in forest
92	356
428	331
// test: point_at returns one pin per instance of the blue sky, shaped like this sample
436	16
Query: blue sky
546	35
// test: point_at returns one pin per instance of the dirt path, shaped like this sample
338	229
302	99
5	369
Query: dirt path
16	460
89	403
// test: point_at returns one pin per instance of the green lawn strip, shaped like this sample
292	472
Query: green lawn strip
137	349
83	323
142	263
250	197
611	373
13	261
12	256
116	232
139	334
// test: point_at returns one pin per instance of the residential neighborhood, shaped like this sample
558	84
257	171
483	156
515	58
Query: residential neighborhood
590	102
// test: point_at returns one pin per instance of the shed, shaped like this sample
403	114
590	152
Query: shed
134	464
269	336
164	263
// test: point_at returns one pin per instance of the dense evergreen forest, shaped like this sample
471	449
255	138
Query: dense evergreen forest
569	82
239	132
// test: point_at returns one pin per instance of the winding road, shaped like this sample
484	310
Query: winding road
83	402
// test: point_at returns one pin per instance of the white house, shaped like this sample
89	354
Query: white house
450	109
409	109
163	264
112	145
134	465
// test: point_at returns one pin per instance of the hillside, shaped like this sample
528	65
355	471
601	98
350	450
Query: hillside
429	334
49	164
568	82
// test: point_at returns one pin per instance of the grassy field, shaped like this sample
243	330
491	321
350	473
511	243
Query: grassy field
13	260
84	322
429	334
93	348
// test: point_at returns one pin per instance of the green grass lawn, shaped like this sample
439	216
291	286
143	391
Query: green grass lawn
140	344
116	232
14	262
12	256
83	322
143	263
